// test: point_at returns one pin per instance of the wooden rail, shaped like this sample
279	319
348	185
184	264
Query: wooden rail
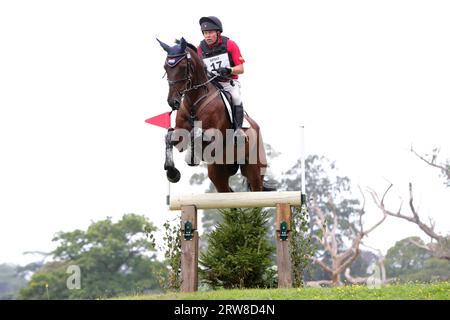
235	200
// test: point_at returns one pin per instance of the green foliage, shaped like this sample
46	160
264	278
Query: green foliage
407	262
171	280
10	281
239	252
301	245
362	263
114	258
433	270
48	283
405	257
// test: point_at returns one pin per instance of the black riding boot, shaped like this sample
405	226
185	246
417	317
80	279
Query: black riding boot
238	119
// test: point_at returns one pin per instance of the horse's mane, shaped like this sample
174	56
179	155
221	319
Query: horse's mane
194	48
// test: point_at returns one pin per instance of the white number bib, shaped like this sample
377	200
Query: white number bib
216	62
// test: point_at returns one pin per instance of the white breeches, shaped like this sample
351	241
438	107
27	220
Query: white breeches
235	91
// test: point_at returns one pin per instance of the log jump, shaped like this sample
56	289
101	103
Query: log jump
188	204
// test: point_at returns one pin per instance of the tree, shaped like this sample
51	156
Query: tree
433	270
440	245
405	257
409	262
341	257
336	218
11	281
364	262
113	259
238	253
374	265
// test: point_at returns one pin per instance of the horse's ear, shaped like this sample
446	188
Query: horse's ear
183	44
164	46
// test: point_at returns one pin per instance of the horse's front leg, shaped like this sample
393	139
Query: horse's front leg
173	175
193	155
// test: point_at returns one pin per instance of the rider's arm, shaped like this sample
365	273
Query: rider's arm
236	55
239	69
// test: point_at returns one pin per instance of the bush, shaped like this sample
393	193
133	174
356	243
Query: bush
238	254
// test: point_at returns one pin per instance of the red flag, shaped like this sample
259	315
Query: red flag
161	120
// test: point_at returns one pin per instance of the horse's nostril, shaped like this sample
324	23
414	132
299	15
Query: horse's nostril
174	104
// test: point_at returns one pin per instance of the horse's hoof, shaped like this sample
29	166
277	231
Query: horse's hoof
267	186
173	175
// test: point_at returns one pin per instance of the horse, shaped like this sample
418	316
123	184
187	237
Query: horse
197	100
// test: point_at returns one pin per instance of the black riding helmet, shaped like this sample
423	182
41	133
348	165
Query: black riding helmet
210	23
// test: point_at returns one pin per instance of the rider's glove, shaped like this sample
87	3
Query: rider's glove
224	72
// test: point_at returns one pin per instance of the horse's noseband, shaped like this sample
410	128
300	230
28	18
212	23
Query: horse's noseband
174	60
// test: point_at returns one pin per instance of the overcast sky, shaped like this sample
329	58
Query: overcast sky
78	79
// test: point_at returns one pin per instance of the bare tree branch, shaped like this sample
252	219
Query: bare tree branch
431	163
441	249
321	223
352	254
419	245
362	210
333	208
365	233
354	280
322	265
364	280
344	259
380	204
425	228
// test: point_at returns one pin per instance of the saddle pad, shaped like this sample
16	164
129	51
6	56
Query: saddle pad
245	123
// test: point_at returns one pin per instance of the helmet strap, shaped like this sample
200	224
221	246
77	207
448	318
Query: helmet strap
218	37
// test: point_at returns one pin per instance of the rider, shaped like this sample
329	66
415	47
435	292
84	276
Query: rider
222	57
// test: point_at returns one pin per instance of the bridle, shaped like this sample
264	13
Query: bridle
173	60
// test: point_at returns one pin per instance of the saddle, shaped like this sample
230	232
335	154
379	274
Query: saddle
228	102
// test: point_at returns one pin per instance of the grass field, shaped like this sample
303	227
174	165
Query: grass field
414	291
